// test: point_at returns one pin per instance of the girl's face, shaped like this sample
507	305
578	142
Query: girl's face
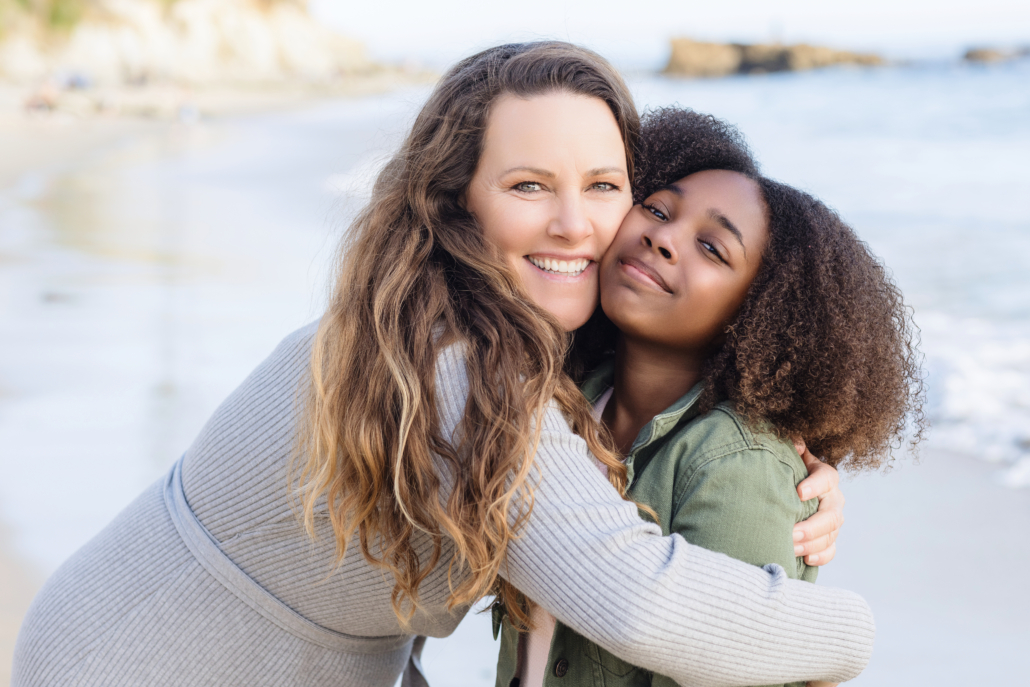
550	191
681	264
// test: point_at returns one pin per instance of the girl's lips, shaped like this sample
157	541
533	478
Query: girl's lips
643	273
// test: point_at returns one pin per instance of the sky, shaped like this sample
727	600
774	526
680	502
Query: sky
636	35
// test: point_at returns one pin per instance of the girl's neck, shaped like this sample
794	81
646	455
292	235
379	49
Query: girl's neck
648	379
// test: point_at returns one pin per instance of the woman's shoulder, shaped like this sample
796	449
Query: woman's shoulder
238	461
300	338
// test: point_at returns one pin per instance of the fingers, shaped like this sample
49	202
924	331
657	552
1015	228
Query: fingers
821	480
822	558
819	532
799	446
816	537
820	683
820	550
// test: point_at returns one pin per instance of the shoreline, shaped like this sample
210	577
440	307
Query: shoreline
80	124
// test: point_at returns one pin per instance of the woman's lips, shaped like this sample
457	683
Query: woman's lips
643	273
568	270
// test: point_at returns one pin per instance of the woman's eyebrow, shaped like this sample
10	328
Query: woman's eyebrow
724	222
550	175
534	170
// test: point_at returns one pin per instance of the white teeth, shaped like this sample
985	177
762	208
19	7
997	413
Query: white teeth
567	267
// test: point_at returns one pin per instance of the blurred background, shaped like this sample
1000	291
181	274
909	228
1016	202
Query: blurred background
175	176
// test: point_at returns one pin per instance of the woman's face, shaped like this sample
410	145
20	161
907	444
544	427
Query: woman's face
682	263
550	191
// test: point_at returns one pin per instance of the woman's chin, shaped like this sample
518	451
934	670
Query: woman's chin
571	304
572	318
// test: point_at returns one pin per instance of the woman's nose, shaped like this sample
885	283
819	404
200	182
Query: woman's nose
659	241
571	222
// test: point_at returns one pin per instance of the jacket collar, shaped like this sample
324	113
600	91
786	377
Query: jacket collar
683	410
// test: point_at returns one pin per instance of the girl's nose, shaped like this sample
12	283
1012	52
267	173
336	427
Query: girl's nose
659	241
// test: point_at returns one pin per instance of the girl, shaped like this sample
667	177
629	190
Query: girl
747	313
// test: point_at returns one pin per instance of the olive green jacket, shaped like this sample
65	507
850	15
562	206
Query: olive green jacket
720	484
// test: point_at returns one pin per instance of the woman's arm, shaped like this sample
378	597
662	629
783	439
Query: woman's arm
741	502
699	617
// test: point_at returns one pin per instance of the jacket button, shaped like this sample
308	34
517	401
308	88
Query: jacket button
561	667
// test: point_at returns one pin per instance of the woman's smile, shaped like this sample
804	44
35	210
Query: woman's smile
559	267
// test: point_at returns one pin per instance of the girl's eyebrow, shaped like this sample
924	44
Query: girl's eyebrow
724	222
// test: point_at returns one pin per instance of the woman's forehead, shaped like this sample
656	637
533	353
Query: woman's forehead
554	125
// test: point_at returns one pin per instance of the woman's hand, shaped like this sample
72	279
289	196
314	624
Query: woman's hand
815	538
820	683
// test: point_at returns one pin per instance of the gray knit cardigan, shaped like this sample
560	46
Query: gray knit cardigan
208	578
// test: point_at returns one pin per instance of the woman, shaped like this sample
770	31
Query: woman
414	413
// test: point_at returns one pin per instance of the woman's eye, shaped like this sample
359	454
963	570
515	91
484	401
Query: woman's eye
527	186
605	186
655	211
713	250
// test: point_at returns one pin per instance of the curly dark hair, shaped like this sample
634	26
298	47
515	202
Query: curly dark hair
823	346
676	142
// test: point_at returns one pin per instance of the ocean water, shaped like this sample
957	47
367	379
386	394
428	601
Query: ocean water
140	285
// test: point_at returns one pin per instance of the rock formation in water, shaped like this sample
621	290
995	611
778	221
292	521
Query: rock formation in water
179	41
695	58
995	54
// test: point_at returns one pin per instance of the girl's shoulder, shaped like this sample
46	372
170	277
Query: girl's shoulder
722	433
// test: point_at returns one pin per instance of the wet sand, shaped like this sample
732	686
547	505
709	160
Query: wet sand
18	584
35	145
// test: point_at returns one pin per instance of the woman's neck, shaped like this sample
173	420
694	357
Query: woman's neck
648	379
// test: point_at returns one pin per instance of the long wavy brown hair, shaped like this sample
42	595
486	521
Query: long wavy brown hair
416	276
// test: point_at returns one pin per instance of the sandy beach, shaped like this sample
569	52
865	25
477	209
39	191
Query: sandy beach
18	584
939	550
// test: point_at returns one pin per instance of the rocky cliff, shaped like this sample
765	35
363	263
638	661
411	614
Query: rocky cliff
178	41
695	58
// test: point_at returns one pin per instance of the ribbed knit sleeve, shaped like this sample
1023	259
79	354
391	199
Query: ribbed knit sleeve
658	602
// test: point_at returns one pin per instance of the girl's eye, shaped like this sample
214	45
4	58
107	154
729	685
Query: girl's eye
655	211
527	186
713	250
